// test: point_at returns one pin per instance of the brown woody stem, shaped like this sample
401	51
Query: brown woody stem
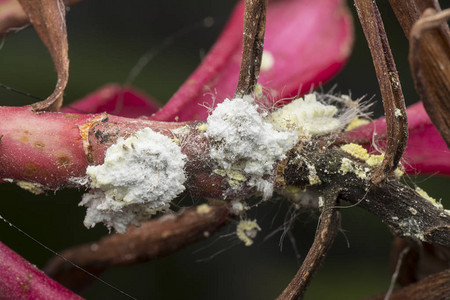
153	239
391	91
403	210
252	45
329	222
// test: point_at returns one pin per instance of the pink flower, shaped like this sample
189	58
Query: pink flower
306	43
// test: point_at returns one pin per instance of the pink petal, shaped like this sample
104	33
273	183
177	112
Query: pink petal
308	40
115	100
22	280
426	151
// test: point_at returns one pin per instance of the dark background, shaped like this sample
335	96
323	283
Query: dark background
106	38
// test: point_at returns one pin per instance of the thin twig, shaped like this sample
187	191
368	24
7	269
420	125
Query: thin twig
252	45
153	239
391	91
396	272
328	228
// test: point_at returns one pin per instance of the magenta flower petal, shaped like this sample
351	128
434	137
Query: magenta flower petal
426	151
21	280
307	42
116	100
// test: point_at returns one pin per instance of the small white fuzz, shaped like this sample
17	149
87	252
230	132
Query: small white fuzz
247	230
32	187
140	176
411	227
241	140
302	198
348	166
267	61
238	207
412	210
97	212
79	181
312	175
306	116
203	209
321	202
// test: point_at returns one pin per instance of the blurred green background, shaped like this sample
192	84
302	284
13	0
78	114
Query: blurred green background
106	38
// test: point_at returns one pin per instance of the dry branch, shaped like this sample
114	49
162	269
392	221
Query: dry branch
253	44
391	91
401	208
329	222
153	239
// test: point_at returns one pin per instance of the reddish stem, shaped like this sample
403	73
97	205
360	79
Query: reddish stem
22	280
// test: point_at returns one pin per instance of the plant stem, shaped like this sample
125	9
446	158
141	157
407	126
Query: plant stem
153	239
253	45
329	222
391	91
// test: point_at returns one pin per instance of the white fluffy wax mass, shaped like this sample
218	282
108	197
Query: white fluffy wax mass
140	176
242	140
306	116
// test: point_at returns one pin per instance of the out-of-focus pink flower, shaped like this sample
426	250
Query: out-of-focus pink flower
116	100
307	42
